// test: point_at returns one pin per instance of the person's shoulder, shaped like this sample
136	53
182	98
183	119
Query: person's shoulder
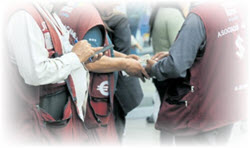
118	18
20	16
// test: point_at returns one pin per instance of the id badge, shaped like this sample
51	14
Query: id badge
48	40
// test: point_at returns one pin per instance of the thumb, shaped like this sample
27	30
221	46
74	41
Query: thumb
149	61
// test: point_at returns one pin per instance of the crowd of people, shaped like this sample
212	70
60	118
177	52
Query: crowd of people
65	89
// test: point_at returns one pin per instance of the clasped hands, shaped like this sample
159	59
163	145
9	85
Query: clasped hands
134	67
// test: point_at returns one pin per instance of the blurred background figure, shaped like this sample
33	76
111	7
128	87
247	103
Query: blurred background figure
138	13
165	22
128	94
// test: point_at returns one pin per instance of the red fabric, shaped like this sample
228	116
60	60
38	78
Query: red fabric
39	19
34	121
219	78
81	19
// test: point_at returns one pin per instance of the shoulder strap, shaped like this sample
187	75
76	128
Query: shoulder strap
39	19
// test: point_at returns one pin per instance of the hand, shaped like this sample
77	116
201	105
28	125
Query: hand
84	51
134	68
160	55
95	58
149	66
133	56
138	46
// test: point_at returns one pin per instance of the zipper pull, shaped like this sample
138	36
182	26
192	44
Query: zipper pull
192	89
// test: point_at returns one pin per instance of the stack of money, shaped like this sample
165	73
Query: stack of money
143	59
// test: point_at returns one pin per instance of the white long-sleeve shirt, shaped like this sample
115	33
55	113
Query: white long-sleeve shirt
27	50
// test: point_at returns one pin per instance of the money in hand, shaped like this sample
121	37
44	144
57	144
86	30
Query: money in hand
143	59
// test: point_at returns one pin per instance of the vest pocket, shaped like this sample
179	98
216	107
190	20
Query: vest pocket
54	104
55	109
98	113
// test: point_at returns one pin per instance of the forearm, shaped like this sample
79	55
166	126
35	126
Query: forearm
183	52
119	54
107	64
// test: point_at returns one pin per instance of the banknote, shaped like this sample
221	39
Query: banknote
143	59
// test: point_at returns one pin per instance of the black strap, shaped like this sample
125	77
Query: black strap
58	123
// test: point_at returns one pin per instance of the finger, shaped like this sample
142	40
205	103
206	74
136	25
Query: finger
149	61
145	73
95	49
100	56
161	56
134	57
95	58
106	53
84	41
155	56
141	77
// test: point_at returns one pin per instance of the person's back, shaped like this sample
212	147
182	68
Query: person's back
215	77
167	24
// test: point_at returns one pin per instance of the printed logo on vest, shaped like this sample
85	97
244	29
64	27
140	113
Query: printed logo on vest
44	26
240	48
103	88
48	41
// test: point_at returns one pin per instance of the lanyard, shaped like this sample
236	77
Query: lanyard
49	17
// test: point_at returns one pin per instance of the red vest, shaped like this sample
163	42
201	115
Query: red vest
36	122
219	78
99	114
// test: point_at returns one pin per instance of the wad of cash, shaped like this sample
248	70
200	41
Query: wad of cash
143	59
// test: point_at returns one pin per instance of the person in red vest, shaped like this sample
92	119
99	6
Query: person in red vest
49	79
206	73
84	22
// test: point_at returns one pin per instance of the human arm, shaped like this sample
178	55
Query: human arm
183	52
107	64
28	52
122	55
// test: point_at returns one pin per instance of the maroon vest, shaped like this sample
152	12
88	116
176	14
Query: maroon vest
218	79
34	120
101	88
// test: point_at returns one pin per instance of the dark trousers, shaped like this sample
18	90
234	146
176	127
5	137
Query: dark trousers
215	137
120	120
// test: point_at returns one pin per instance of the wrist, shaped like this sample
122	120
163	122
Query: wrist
77	55
124	63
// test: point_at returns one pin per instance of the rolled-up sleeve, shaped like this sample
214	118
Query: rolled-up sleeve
27	51
183	52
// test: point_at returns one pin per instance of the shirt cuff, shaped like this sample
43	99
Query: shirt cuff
72	60
156	73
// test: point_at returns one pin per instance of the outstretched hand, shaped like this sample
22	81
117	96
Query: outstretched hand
149	66
158	56
134	68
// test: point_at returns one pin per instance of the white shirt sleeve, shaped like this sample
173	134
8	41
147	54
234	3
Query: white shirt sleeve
28	52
